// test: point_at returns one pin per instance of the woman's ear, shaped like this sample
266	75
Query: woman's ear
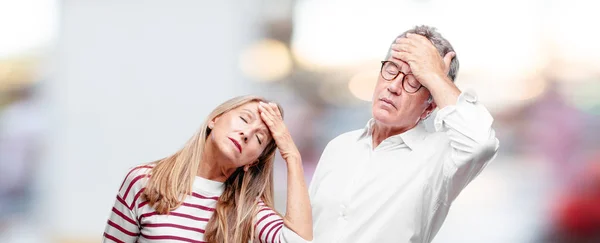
211	124
247	167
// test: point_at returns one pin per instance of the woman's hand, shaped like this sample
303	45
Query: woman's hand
271	115
298	215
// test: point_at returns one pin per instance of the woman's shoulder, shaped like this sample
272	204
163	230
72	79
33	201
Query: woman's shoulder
139	171
134	182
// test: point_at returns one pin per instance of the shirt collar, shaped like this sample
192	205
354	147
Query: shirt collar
210	186
412	138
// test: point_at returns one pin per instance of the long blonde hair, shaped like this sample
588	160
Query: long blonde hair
172	178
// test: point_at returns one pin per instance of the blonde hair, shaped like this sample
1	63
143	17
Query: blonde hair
172	178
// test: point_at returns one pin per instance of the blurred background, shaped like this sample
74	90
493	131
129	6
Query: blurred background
90	88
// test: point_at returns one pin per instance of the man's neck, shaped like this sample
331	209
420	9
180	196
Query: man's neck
382	132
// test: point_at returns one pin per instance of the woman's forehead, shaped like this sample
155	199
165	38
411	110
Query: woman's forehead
252	106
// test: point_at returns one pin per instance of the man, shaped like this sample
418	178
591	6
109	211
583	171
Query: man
393	181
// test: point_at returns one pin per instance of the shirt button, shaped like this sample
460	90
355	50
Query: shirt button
343	212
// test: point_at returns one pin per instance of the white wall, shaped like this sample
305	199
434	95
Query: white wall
132	82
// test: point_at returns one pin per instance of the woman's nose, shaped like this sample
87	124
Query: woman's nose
244	137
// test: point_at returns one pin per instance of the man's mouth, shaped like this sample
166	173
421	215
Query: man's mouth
239	147
388	101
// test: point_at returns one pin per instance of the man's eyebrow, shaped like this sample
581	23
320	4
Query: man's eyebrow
400	66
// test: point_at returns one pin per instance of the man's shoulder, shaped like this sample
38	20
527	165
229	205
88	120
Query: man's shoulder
347	137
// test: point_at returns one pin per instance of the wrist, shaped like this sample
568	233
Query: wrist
293	159
432	79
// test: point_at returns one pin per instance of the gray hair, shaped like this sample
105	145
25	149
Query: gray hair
443	46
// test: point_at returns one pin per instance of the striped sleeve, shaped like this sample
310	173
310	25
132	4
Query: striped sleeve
122	225
269	227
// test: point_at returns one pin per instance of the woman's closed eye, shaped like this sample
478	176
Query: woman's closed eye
257	137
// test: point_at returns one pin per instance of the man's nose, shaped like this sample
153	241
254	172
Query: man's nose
395	86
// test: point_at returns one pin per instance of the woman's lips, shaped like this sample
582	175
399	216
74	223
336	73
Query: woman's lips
239	147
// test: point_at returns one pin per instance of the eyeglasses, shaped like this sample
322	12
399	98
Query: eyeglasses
389	72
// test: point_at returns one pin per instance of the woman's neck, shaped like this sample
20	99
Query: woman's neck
209	165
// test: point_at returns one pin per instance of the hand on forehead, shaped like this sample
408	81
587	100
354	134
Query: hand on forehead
414	39
402	65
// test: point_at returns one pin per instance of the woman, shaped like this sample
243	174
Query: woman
219	186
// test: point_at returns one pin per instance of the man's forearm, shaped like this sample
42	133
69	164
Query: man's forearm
443	90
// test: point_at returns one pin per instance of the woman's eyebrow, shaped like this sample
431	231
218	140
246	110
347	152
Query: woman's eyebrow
250	113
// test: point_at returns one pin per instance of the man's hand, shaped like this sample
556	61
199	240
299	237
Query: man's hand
423	58
430	69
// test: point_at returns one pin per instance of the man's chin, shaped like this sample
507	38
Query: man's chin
382	116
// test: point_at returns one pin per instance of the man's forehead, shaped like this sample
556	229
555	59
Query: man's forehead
404	67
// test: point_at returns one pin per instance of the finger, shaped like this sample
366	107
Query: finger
418	38
273	107
264	107
401	55
272	124
268	109
277	111
267	119
261	107
448	60
402	47
274	110
405	40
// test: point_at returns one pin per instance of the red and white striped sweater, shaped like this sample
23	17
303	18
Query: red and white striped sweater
133	220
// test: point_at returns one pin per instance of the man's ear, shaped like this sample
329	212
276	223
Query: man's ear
428	110
448	60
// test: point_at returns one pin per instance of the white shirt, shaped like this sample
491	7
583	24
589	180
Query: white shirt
401	190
